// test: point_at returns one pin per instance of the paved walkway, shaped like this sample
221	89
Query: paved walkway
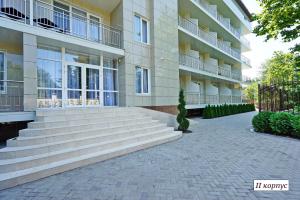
219	160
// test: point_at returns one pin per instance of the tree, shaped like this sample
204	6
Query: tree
181	117
251	92
280	68
279	18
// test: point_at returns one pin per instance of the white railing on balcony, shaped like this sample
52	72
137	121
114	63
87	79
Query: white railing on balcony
225	99
11	96
195	63
246	60
212	9
14	9
245	42
211	68
63	21
194	98
197	98
236	75
224	72
236	99
208	37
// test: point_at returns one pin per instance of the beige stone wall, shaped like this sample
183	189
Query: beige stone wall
160	56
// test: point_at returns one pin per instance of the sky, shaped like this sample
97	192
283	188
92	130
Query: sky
261	50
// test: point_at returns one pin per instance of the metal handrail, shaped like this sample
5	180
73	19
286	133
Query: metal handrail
11	96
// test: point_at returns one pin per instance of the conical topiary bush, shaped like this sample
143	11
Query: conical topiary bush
182	112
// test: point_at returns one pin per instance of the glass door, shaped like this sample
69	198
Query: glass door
92	87
74	86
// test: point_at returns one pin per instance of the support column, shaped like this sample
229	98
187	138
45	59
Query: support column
30	71
30	12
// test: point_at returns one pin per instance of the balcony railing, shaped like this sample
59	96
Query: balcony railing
236	75
208	37
212	9
236	99
199	64
196	98
11	96
224	72
246	60
225	99
63	21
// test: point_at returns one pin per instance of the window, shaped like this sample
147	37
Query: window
141	29
2	73
142	80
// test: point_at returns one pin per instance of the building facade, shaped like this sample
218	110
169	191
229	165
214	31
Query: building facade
73	53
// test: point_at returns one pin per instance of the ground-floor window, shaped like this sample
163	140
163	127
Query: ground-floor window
142	80
110	82
2	73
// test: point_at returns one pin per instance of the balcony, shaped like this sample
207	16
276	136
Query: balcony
50	17
11	96
246	61
212	10
199	64
195	98
209	38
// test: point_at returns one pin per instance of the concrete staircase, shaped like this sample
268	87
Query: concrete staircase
61	140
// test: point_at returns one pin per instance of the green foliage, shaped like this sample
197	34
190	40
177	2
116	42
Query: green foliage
279	18
280	68
296	126
281	123
210	111
181	117
251	92
261	122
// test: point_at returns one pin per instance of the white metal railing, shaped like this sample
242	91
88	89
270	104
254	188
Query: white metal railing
245	41
208	37
212	9
236	99
14	9
194	98
11	96
195	63
64	21
225	99
197	98
224	72
246	60
57	19
236	75
211	68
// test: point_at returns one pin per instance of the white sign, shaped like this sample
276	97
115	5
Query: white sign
271	185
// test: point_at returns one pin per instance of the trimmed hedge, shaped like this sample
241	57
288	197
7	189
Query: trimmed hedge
212	111
279	123
261	122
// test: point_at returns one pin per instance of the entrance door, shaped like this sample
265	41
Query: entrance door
82	85
74	85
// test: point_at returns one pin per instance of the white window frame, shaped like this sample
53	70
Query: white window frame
141	29
4	90
142	82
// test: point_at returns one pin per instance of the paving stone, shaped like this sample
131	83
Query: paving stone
219	160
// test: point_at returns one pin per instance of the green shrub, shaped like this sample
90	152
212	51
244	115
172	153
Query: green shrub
181	117
281	123
296	126
261	122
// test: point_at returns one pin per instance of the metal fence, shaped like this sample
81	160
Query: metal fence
283	96
11	96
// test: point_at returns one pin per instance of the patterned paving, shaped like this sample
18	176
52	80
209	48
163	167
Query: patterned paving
219	160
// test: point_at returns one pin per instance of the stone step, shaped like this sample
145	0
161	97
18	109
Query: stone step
23	151
53	118
57	130
44	139
86	110
22	163
23	176
70	122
